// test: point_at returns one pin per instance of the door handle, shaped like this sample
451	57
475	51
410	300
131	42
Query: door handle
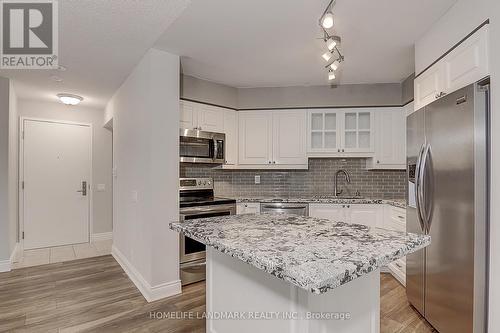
424	191
418	192
83	191
428	174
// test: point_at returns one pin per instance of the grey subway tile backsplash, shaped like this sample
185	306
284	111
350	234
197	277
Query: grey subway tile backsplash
291	183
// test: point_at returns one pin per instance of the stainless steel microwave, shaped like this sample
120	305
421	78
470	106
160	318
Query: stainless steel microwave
202	147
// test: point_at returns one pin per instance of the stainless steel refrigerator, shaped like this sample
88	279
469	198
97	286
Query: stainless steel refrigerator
447	166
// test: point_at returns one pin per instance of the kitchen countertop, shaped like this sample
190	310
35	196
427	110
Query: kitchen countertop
315	254
400	203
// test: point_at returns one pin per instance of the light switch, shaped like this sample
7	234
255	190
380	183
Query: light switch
101	187
135	196
257	179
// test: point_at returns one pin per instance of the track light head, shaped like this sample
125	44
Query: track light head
327	20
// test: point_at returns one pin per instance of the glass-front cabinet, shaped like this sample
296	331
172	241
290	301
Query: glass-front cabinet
340	132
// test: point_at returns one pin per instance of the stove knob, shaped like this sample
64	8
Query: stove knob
209	183
199	182
204	183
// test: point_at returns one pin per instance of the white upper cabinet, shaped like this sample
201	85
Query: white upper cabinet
231	131
210	118
200	116
275	139
323	131
390	139
340	133
429	86
255	137
189	116
468	63
358	132
464	65
289	137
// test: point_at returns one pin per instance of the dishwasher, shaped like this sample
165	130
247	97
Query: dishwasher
301	209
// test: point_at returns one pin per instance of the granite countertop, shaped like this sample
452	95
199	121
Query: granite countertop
315	254
400	203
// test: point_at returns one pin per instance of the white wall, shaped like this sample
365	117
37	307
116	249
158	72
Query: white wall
4	173
460	20
101	152
145	115
13	168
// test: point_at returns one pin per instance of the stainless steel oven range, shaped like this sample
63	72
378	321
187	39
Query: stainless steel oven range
197	201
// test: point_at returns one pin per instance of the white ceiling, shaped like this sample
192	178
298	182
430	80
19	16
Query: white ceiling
100	42
240	43
263	43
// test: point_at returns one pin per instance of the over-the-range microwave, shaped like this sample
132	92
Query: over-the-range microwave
202	147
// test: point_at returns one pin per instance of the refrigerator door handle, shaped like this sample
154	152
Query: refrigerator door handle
418	189
428	173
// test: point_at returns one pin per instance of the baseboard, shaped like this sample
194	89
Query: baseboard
150	293
6	265
101	237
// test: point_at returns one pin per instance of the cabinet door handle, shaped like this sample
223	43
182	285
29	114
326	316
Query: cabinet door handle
269	162
339	150
274	162
342	150
378	162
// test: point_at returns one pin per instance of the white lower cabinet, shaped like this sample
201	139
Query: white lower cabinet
369	215
395	219
247	208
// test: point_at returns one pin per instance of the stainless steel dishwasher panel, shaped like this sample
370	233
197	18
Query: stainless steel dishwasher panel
301	209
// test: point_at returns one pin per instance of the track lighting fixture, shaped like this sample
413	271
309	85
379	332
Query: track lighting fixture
332	42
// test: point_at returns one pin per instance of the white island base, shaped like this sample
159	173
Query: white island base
235	288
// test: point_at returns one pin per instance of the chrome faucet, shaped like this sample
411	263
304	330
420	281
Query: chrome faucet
336	181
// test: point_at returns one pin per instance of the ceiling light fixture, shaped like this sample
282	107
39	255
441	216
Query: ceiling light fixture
327	56
331	75
70	99
332	42
335	65
327	20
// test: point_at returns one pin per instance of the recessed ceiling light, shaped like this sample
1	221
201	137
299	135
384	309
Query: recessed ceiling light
70	99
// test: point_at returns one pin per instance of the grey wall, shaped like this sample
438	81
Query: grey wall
4	170
282	97
101	152
407	89
317	180
209	92
319	96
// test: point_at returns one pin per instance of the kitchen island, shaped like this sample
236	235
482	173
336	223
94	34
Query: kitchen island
287	273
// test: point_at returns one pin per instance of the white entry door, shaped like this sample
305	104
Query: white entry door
57	164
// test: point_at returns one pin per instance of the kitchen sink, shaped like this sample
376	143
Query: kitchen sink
338	197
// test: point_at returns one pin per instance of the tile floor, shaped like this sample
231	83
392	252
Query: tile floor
63	253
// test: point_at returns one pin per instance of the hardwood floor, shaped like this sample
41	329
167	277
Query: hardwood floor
95	295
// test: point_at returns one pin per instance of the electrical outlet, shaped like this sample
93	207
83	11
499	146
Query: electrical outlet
257	179
135	196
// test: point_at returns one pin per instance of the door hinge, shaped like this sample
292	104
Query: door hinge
23	234
22	185
22	135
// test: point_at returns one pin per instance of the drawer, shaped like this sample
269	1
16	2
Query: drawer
398	214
